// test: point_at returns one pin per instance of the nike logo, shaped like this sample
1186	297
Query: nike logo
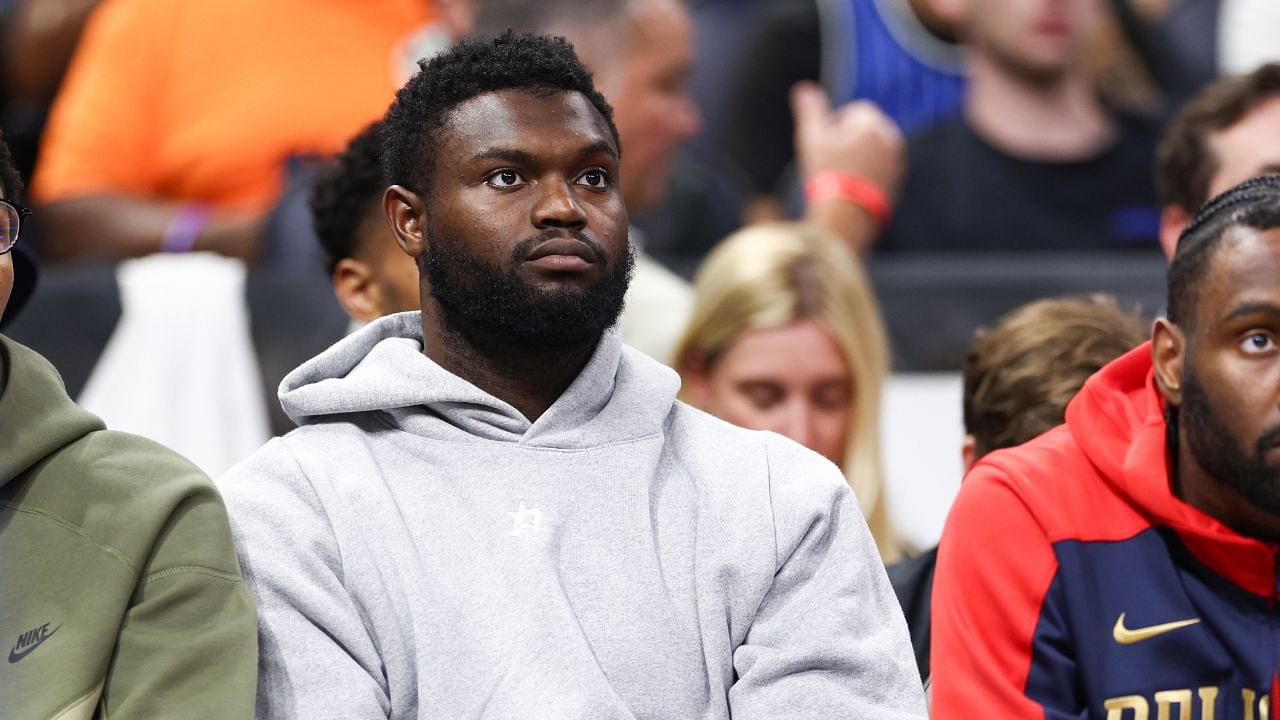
1125	636
29	641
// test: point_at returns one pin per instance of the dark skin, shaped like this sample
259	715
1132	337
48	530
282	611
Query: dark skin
1233	345
377	279
113	227
509	165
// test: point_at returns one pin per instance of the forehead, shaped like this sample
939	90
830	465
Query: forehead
797	353
521	120
1249	148
1243	269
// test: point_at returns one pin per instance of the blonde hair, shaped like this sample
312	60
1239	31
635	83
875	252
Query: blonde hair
772	275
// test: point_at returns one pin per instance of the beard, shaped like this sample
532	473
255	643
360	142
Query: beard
1232	463
496	310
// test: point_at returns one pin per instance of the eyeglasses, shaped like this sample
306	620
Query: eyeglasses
10	224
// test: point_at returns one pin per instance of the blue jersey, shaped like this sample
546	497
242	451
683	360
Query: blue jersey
877	50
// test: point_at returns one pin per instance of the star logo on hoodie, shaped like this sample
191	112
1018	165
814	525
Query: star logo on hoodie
525	518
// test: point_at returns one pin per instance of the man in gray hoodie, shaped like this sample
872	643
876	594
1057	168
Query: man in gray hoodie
492	509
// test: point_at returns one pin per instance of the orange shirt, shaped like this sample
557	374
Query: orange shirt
206	99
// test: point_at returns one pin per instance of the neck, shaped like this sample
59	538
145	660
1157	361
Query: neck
1196	487
529	381
1058	119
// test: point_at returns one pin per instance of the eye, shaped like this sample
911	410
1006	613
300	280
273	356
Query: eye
594	178
762	395
1258	342
832	398
503	179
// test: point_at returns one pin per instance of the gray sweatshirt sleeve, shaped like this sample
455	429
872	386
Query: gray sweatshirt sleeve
828	639
316	658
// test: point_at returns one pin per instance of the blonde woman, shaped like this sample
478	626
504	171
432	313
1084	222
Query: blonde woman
786	336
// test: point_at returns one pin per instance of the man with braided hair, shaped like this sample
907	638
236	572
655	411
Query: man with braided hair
1124	565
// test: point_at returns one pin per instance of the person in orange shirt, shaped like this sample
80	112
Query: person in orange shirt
177	117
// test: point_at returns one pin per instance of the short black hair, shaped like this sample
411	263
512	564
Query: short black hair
1253	203
495	16
474	67
10	179
346	190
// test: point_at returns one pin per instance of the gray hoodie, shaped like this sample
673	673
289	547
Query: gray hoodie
418	548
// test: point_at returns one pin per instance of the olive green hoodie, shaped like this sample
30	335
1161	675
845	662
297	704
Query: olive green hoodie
120	593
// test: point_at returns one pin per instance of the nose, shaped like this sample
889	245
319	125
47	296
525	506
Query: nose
797	422
555	206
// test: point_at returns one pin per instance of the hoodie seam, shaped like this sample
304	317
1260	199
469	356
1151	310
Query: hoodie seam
72	527
386	421
188	570
773	513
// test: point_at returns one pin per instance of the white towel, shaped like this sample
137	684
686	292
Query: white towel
180	366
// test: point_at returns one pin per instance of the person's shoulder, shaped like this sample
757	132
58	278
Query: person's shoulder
276	464
124	492
289	478
750	455
688	425
116	467
1052	479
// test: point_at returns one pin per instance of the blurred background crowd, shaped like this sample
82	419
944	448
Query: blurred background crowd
951	161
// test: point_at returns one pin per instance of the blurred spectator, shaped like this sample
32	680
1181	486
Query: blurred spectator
119	543
640	52
1176	39
1228	133
1124	564
850	159
786	336
371	275
176	119
1187	44
36	43
1036	161
899	55
1018	379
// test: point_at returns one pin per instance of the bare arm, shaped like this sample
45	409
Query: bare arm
39	39
855	139
115	227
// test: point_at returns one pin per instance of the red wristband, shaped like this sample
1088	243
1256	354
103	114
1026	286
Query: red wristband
834	185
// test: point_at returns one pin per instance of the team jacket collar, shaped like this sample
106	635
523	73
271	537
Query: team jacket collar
1118	420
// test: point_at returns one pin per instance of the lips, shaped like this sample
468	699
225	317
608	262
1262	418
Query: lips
562	247
1053	26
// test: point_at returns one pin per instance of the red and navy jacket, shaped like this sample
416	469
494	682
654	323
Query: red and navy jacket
1073	583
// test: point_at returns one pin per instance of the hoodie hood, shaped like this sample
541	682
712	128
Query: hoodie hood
37	418
1118	421
620	394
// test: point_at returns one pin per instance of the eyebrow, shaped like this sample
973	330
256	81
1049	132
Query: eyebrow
1251	308
522	157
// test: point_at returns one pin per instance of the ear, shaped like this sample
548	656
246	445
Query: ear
696	379
1173	220
358	292
406	214
968	452
1168	356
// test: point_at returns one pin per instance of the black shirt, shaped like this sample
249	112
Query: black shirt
961	193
